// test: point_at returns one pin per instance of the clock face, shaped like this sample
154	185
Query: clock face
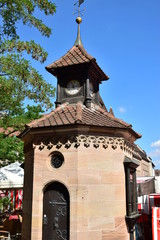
73	87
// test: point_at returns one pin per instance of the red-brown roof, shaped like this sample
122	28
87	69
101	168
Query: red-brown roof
67	114
9	131
76	55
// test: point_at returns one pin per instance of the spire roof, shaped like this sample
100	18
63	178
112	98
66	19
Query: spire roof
78	114
77	55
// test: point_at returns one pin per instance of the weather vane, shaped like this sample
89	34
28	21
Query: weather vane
78	11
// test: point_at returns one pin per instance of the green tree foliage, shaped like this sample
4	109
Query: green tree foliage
11	147
17	122
19	80
11	150
5	204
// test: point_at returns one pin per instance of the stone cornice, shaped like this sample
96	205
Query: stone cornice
86	141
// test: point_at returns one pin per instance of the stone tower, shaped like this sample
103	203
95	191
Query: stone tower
80	173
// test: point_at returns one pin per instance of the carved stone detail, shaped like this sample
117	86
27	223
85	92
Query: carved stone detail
34	146
128	147
50	145
59	145
68	144
41	146
87	141
97	141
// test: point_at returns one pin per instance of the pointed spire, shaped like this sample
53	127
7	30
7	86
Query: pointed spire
111	111
78	40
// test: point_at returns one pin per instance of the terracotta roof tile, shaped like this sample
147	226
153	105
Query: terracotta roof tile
77	55
68	114
9	131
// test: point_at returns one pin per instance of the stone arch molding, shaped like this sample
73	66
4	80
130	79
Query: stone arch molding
87	141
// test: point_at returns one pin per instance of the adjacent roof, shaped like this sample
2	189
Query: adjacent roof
9	131
76	55
68	114
141	152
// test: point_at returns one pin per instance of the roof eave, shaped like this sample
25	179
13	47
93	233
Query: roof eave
25	132
76	125
55	70
101	75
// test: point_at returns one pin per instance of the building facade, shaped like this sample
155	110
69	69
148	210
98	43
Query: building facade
80	169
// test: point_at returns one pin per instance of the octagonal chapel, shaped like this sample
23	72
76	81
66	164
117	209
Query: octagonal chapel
80	166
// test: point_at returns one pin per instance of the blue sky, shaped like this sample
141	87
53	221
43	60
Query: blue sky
124	37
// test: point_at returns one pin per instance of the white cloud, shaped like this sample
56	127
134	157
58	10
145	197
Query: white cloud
122	110
155	153
155	144
157	164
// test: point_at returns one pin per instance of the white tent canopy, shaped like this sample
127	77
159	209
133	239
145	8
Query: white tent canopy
11	176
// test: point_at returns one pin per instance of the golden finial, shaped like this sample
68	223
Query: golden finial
79	20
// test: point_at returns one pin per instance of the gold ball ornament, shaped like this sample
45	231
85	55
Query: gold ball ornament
78	20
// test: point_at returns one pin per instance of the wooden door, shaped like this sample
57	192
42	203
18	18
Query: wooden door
56	212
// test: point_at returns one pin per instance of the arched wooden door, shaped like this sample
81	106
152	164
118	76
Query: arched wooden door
56	212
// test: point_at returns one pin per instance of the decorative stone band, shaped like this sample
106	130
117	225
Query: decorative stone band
87	141
97	141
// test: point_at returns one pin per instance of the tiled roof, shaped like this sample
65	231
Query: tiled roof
76	55
68	114
9	131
